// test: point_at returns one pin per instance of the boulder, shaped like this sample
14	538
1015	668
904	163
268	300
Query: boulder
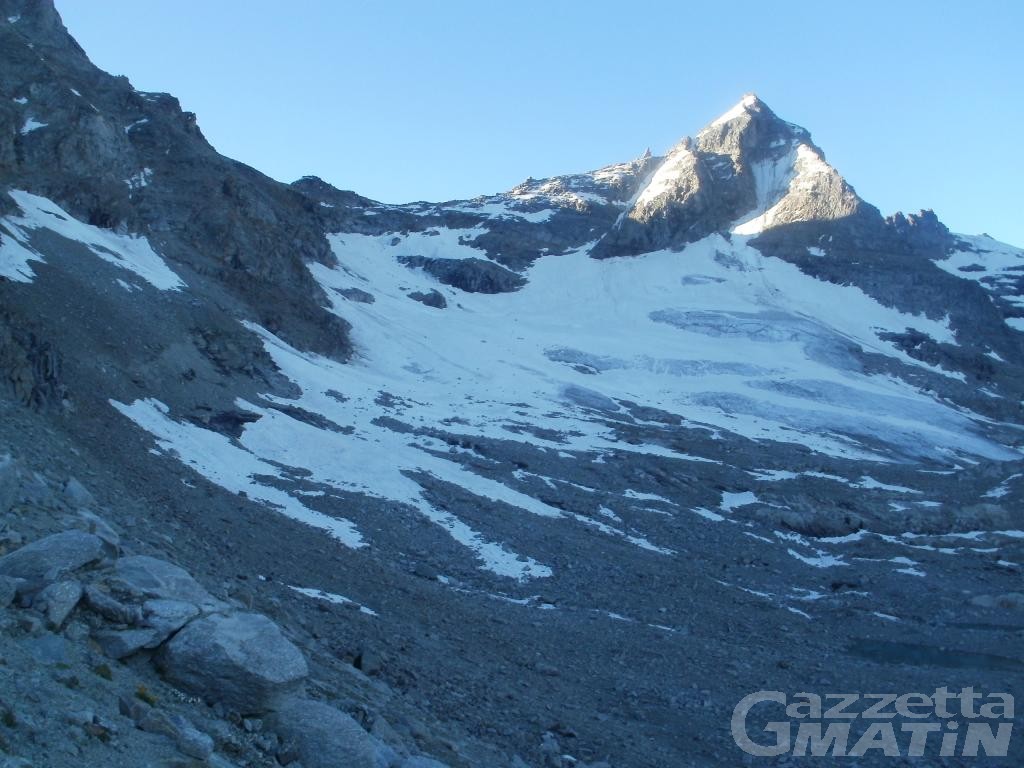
119	644
167	617
57	601
109	608
52	557
321	736
190	740
241	660
76	496
431	298
150	577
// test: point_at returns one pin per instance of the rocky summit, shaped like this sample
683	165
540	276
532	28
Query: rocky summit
551	477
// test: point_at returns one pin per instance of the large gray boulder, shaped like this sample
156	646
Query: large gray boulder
167	616
52	557
322	736
241	660
150	577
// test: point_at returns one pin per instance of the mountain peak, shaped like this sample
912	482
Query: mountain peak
748	124
748	104
746	171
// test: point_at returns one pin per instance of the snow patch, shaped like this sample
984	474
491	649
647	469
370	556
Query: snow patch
736	111
330	597
31	124
222	462
130	252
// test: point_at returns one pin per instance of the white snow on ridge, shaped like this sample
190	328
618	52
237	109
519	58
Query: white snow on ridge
330	597
737	111
31	124
996	266
731	500
15	258
439	243
795	172
870	483
497	209
984	260
679	161
133	253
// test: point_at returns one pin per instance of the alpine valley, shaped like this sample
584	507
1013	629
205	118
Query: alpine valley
552	477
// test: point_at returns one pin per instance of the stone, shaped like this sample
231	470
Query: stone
91	522
167	617
241	660
190	740
81	717
153	720
76	495
48	559
432	298
57	601
357	295
369	662
8	589
113	610
119	644
322	736
151	577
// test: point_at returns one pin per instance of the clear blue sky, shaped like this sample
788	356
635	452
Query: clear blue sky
919	104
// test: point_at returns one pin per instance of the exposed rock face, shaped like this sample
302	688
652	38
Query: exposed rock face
132	161
29	366
748	170
241	660
470	275
432	298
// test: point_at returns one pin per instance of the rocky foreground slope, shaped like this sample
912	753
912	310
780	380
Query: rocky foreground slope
547	477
